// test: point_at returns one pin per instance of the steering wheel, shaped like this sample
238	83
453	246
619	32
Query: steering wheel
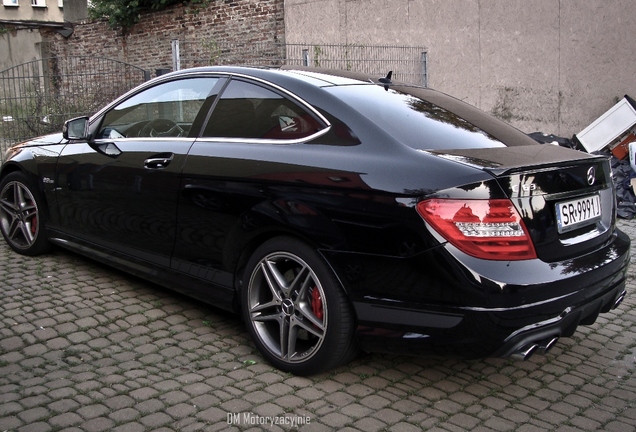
160	128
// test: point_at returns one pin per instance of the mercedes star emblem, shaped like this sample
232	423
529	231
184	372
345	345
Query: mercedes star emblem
591	176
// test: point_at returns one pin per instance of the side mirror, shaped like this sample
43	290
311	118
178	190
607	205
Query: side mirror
76	129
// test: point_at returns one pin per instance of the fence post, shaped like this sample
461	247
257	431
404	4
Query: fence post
176	57
424	60
305	57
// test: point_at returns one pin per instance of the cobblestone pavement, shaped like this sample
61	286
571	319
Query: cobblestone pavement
86	348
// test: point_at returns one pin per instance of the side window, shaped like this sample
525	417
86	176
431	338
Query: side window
165	110
247	110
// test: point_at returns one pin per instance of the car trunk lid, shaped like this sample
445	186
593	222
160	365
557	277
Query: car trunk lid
565	197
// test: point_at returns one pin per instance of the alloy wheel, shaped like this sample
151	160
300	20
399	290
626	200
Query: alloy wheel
287	307
19	215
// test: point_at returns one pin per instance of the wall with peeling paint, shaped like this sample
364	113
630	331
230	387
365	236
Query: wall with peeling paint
547	65
19	46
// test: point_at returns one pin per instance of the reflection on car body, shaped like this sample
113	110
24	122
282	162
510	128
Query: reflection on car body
334	211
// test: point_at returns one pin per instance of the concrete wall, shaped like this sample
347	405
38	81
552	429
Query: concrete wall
19	46
548	65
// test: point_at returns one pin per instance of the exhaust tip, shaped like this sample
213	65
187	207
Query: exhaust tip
547	344
620	299
524	353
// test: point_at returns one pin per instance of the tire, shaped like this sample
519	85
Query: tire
21	215
295	309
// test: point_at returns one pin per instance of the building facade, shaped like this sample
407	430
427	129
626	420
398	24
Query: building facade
22	22
33	11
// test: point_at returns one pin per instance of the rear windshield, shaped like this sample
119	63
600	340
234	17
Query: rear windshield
425	125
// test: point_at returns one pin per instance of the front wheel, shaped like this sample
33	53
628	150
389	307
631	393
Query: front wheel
21	216
295	309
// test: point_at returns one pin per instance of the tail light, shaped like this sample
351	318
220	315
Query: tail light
487	229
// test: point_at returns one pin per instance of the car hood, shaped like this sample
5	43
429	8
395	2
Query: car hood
55	138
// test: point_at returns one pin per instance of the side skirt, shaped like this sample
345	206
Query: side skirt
210	293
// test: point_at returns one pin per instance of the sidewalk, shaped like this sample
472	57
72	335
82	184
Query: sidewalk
84	347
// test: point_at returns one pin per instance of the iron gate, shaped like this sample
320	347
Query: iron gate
37	97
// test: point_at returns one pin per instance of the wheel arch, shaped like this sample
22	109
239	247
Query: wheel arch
24	159
29	169
10	167
249	246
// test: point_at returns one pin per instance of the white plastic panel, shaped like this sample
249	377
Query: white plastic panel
608	127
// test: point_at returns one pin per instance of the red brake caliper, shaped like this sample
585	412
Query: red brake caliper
316	303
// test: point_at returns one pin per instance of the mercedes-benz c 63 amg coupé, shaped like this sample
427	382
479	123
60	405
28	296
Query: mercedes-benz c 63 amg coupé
334	211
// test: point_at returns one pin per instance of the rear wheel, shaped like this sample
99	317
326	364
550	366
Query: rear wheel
296	311
21	217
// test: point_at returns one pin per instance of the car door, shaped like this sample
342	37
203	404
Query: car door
119	191
224	172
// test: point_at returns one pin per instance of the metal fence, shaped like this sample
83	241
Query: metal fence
408	63
37	97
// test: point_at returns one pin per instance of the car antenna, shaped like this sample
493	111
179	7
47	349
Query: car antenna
387	80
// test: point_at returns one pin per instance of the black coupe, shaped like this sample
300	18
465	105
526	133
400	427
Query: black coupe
334	211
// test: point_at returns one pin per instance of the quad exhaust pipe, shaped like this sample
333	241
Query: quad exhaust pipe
540	347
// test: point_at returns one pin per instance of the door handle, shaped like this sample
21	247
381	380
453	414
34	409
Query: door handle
158	162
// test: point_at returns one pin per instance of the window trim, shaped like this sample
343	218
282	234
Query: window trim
11	3
38	3
284	92
276	89
267	141
96	119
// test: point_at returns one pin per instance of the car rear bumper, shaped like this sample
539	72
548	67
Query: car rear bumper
541	336
475	337
460	312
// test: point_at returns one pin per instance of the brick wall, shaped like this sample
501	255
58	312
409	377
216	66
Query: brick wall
148	43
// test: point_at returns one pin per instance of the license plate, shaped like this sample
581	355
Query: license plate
577	213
